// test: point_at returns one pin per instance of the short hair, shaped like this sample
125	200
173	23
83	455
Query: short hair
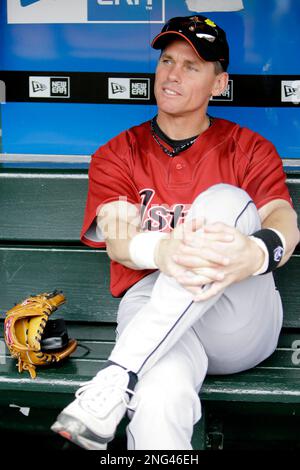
218	67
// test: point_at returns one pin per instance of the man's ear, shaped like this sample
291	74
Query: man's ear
220	84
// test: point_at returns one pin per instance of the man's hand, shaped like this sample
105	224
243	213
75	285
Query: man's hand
215	255
168	247
219	255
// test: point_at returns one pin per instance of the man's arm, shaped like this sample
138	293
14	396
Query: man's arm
278	214
119	222
244	256
220	255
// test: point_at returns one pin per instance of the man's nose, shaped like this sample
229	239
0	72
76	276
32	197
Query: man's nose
174	74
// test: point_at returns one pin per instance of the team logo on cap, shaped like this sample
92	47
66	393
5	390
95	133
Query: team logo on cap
210	23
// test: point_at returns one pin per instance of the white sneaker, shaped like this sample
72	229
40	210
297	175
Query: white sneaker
90	421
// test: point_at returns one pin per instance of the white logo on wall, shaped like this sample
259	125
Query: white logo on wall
290	91
49	87
86	11
227	94
128	88
117	88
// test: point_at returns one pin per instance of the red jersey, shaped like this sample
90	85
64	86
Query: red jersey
133	166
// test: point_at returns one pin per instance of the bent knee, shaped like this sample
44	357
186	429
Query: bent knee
229	191
228	204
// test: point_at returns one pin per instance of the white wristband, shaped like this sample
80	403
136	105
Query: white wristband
142	248
265	264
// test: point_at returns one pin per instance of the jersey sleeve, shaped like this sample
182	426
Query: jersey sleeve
265	179
110	179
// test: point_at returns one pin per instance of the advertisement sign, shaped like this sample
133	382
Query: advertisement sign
129	88
214	5
87	67
85	11
49	87
290	91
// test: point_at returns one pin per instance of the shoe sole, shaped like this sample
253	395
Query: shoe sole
77	432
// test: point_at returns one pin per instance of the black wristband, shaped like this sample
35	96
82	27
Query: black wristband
274	246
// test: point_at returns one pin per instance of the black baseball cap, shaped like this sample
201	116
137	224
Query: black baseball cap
207	39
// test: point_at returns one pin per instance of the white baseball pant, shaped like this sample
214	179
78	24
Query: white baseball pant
172	342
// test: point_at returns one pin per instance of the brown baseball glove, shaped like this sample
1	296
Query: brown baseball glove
24	331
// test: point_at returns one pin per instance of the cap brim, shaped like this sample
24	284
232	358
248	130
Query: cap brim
162	39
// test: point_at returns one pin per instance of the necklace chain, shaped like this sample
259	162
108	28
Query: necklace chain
177	150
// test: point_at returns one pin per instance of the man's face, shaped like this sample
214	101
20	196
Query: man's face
183	82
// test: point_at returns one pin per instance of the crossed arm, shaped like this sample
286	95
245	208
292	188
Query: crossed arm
219	255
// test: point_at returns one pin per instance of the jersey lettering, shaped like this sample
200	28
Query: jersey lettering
160	217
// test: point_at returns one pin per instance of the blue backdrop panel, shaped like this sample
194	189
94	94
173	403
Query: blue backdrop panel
92	125
75	129
264	40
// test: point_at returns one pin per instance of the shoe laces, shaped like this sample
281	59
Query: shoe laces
99	394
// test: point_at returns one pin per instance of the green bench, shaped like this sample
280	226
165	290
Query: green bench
40	221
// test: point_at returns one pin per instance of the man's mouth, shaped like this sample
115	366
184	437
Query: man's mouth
170	92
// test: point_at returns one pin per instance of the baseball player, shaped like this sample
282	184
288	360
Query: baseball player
195	215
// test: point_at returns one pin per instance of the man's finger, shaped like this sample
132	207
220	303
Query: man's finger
193	225
214	289
193	239
207	258
203	276
219	227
